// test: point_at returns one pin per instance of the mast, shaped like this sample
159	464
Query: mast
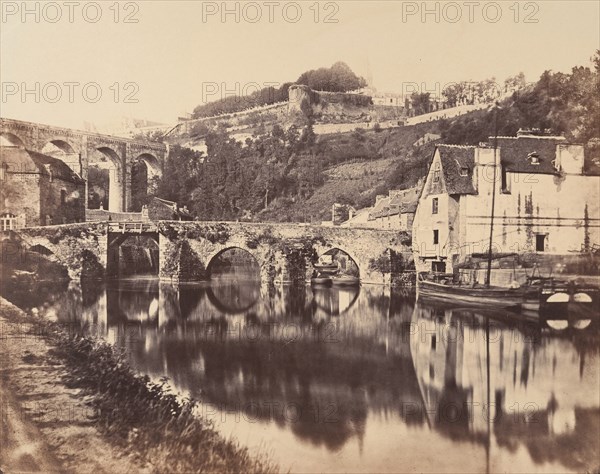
489	262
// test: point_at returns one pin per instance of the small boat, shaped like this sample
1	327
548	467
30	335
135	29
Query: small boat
345	280
445	290
326	267
320	280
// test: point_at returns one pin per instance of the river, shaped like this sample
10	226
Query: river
353	380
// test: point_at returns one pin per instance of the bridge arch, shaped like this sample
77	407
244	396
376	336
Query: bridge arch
145	168
110	162
215	255
61	149
347	262
133	254
10	139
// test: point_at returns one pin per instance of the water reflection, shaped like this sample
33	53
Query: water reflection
357	379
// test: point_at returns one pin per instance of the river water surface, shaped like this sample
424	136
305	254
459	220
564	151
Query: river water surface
354	380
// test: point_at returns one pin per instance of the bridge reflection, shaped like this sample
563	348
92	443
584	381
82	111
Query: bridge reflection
338	370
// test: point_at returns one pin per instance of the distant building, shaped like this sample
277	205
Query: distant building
38	190
392	212
395	211
546	201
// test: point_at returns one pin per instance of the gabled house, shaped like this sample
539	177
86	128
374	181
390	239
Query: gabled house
395	211
546	201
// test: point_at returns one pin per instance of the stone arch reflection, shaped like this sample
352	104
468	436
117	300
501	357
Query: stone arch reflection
335	301
235	280
234	298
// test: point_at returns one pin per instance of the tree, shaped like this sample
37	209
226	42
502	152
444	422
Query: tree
420	102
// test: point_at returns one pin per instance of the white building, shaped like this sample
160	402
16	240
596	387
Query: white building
546	201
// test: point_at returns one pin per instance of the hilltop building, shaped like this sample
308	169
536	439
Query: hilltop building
546	201
38	190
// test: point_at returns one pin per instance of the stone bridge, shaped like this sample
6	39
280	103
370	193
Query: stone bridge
80	150
284	252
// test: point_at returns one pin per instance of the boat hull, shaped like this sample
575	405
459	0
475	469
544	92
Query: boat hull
320	281
345	281
497	297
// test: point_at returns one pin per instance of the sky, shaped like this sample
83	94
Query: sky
72	63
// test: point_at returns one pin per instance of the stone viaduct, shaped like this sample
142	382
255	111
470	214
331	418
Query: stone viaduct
80	150
187	249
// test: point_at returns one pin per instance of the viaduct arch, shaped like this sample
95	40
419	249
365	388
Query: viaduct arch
81	150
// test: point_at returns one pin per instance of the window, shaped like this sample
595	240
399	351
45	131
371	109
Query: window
464	171
534	158
436	237
63	196
540	242
8	221
436	173
505	189
434	206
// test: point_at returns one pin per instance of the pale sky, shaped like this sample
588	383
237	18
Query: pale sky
173	53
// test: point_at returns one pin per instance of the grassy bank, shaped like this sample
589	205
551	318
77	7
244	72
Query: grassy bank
135	415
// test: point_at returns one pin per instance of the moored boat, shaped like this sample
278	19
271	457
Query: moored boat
445	290
345	280
326	268
320	280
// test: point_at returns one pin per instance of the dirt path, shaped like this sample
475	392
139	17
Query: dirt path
44	425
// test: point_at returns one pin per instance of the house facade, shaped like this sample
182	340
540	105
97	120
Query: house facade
38	190
394	211
546	201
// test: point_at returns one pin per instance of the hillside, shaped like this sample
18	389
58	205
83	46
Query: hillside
271	165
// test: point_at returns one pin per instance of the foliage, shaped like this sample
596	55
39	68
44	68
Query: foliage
142	415
337	78
420	102
381	264
564	103
237	103
156	136
98	186
488	90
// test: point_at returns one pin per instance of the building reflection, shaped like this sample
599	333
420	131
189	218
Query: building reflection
321	364
503	386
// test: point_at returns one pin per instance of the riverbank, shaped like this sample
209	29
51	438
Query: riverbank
72	404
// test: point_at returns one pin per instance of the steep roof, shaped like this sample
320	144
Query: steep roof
455	159
20	160
515	153
398	202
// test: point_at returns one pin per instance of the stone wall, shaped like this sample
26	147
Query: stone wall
54	209
81	248
23	196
